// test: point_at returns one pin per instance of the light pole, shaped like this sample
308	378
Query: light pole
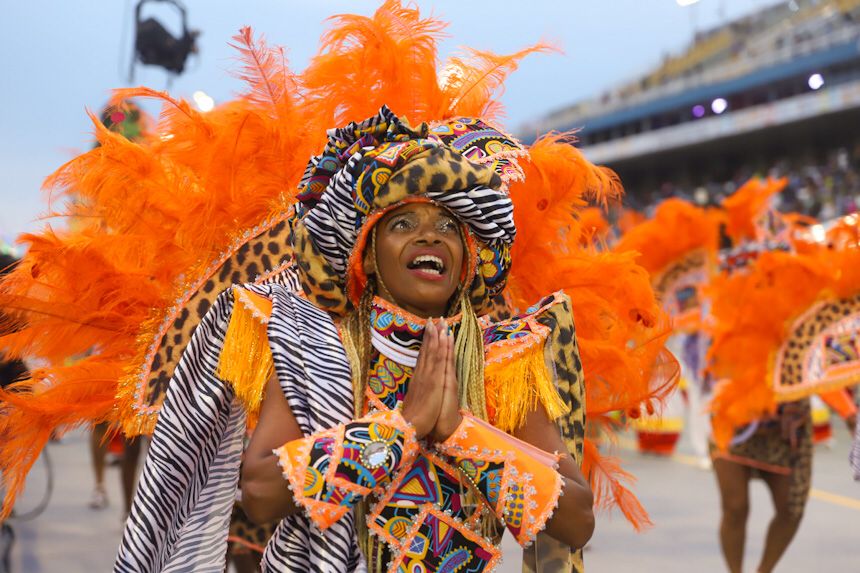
692	5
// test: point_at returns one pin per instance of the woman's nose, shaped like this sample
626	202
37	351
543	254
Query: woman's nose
427	233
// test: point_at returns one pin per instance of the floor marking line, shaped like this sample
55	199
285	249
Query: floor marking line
814	493
835	498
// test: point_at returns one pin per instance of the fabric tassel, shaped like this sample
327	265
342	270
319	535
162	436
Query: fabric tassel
516	387
246	359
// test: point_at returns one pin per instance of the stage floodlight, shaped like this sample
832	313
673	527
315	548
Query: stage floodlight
719	105
154	45
815	81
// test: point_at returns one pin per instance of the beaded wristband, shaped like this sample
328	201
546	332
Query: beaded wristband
518	481
330	471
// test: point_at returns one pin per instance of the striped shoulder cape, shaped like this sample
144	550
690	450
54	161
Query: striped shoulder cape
180	516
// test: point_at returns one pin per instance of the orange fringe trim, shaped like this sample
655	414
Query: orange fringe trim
516	387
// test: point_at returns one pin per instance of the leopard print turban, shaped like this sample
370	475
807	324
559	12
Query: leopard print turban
371	167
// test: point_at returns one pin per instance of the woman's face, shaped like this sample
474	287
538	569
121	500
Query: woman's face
419	257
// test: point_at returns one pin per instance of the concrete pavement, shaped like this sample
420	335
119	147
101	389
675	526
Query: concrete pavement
71	538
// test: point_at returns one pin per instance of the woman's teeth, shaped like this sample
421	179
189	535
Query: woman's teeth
428	263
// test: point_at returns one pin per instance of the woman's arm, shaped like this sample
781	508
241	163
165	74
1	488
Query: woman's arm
466	440
573	520
265	495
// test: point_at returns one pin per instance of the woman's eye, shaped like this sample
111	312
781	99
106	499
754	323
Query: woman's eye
401	225
446	226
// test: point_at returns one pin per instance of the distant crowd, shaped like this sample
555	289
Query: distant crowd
821	189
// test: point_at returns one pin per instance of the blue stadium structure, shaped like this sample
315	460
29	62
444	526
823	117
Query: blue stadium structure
782	84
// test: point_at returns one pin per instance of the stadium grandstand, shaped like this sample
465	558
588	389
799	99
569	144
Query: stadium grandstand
774	93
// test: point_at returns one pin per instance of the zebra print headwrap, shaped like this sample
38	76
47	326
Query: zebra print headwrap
373	166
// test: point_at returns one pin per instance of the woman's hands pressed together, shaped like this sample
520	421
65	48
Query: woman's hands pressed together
431	404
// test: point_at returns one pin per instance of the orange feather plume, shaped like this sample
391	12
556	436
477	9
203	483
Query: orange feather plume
754	308
676	229
620	327
364	62
264	70
152	215
595	227
752	312
607	479
745	207
471	82
149	216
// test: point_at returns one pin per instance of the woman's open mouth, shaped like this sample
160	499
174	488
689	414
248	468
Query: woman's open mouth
428	267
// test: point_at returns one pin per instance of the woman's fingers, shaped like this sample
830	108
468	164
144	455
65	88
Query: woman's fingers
430	347
452	363
449	415
449	372
425	339
437	354
424	397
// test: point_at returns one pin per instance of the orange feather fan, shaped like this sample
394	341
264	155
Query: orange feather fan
154	215
752	312
753	309
617	317
676	229
620	326
150	215
747	204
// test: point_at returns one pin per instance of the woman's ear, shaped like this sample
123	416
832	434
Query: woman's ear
368	262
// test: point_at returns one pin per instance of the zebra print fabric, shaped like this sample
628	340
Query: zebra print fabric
315	376
181	511
180	516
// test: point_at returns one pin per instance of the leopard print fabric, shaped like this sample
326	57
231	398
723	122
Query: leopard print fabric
678	288
546	554
255	260
806	332
375	165
768	448
438	175
246	536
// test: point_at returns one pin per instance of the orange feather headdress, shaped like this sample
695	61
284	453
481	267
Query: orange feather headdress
161	216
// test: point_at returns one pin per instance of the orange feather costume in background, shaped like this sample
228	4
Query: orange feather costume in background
758	309
164	214
678	248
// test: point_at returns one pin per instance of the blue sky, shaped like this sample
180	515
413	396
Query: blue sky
59	58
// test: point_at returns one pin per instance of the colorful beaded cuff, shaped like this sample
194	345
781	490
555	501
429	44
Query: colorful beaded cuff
328	472
519	481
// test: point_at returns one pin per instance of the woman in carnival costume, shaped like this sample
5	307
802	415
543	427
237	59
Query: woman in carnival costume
786	319
130	122
678	247
402	446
